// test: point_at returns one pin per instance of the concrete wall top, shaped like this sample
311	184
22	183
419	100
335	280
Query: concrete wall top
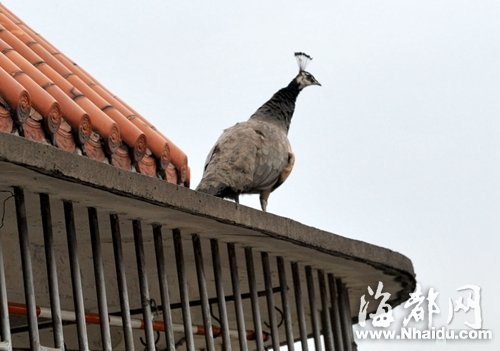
44	168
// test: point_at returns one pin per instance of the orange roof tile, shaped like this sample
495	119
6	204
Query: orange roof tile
47	97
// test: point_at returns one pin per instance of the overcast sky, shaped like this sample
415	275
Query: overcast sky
399	147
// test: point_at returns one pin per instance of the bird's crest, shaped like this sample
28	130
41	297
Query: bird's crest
302	60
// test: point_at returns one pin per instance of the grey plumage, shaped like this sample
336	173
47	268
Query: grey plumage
255	156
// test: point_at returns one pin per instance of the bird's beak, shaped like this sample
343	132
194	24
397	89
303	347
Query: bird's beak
316	82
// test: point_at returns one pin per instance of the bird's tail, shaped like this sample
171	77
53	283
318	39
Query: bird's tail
211	188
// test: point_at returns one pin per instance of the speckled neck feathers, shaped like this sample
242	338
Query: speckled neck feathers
279	109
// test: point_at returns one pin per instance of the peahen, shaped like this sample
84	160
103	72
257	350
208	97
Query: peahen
255	157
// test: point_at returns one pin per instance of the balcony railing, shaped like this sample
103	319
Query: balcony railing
97	258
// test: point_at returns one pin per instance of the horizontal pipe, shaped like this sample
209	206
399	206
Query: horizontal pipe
6	346
194	303
94	318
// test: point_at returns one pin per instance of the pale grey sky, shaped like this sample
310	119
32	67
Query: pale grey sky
399	147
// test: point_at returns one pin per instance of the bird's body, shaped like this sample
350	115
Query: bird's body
255	156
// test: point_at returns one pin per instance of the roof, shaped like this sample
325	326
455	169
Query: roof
46	97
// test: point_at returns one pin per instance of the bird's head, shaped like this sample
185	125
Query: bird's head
304	78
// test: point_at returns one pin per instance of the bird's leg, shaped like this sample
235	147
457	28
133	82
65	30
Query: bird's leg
263	199
237	198
263	204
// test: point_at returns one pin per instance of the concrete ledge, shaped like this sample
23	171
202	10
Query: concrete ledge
208	215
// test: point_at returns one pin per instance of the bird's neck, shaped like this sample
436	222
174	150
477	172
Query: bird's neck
279	109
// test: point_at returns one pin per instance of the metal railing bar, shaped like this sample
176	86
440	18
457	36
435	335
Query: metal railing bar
270	300
202	288
122	281
252	282
183	289
4	311
345	313
354	346
55	304
29	288
143	285
165	297
299	306
313	309
335	314
325	312
99	278
226	342
285	303
238	304
76	279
